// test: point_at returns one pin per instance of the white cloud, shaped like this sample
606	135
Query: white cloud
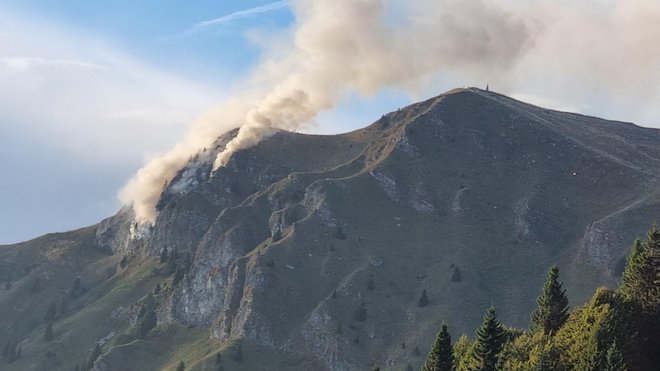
245	13
90	97
25	63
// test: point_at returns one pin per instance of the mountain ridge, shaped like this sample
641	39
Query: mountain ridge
319	246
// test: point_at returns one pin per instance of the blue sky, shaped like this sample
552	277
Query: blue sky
156	31
92	88
89	90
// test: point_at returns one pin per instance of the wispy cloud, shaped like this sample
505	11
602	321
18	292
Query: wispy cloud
91	95
24	63
245	13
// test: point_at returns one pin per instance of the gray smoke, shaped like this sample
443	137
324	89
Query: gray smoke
340	47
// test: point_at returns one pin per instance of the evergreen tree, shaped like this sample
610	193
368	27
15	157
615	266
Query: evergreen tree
178	275
123	262
456	275
441	356
641	277
181	366
423	300
276	235
371	285
552	309
614	359
640	285
489	341
163	255
360	313
463	353
339	233
146	323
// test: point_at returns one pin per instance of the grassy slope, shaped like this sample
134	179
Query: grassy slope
102	311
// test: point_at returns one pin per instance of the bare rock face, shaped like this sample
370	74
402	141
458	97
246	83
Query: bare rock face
321	245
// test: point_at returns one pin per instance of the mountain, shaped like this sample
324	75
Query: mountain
311	252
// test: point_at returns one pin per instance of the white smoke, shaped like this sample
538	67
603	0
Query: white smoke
340	47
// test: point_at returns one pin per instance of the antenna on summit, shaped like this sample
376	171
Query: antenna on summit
486	87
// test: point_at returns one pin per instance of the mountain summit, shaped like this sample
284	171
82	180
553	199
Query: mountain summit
313	252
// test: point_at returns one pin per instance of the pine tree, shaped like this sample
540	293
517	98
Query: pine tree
146	323
163	255
181	366
423	300
640	285
489	342
123	262
360	313
456	275
441	356
371	285
614	359
463	353
178	275
552	309
641	278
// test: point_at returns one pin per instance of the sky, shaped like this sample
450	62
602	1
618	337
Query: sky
92	90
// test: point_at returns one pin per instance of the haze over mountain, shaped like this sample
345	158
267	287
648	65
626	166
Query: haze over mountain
315	257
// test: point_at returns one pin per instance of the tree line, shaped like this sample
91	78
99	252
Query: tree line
616	330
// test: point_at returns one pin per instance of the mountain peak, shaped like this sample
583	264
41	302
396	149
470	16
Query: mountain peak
305	247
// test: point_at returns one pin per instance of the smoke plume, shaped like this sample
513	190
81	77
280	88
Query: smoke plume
336	48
